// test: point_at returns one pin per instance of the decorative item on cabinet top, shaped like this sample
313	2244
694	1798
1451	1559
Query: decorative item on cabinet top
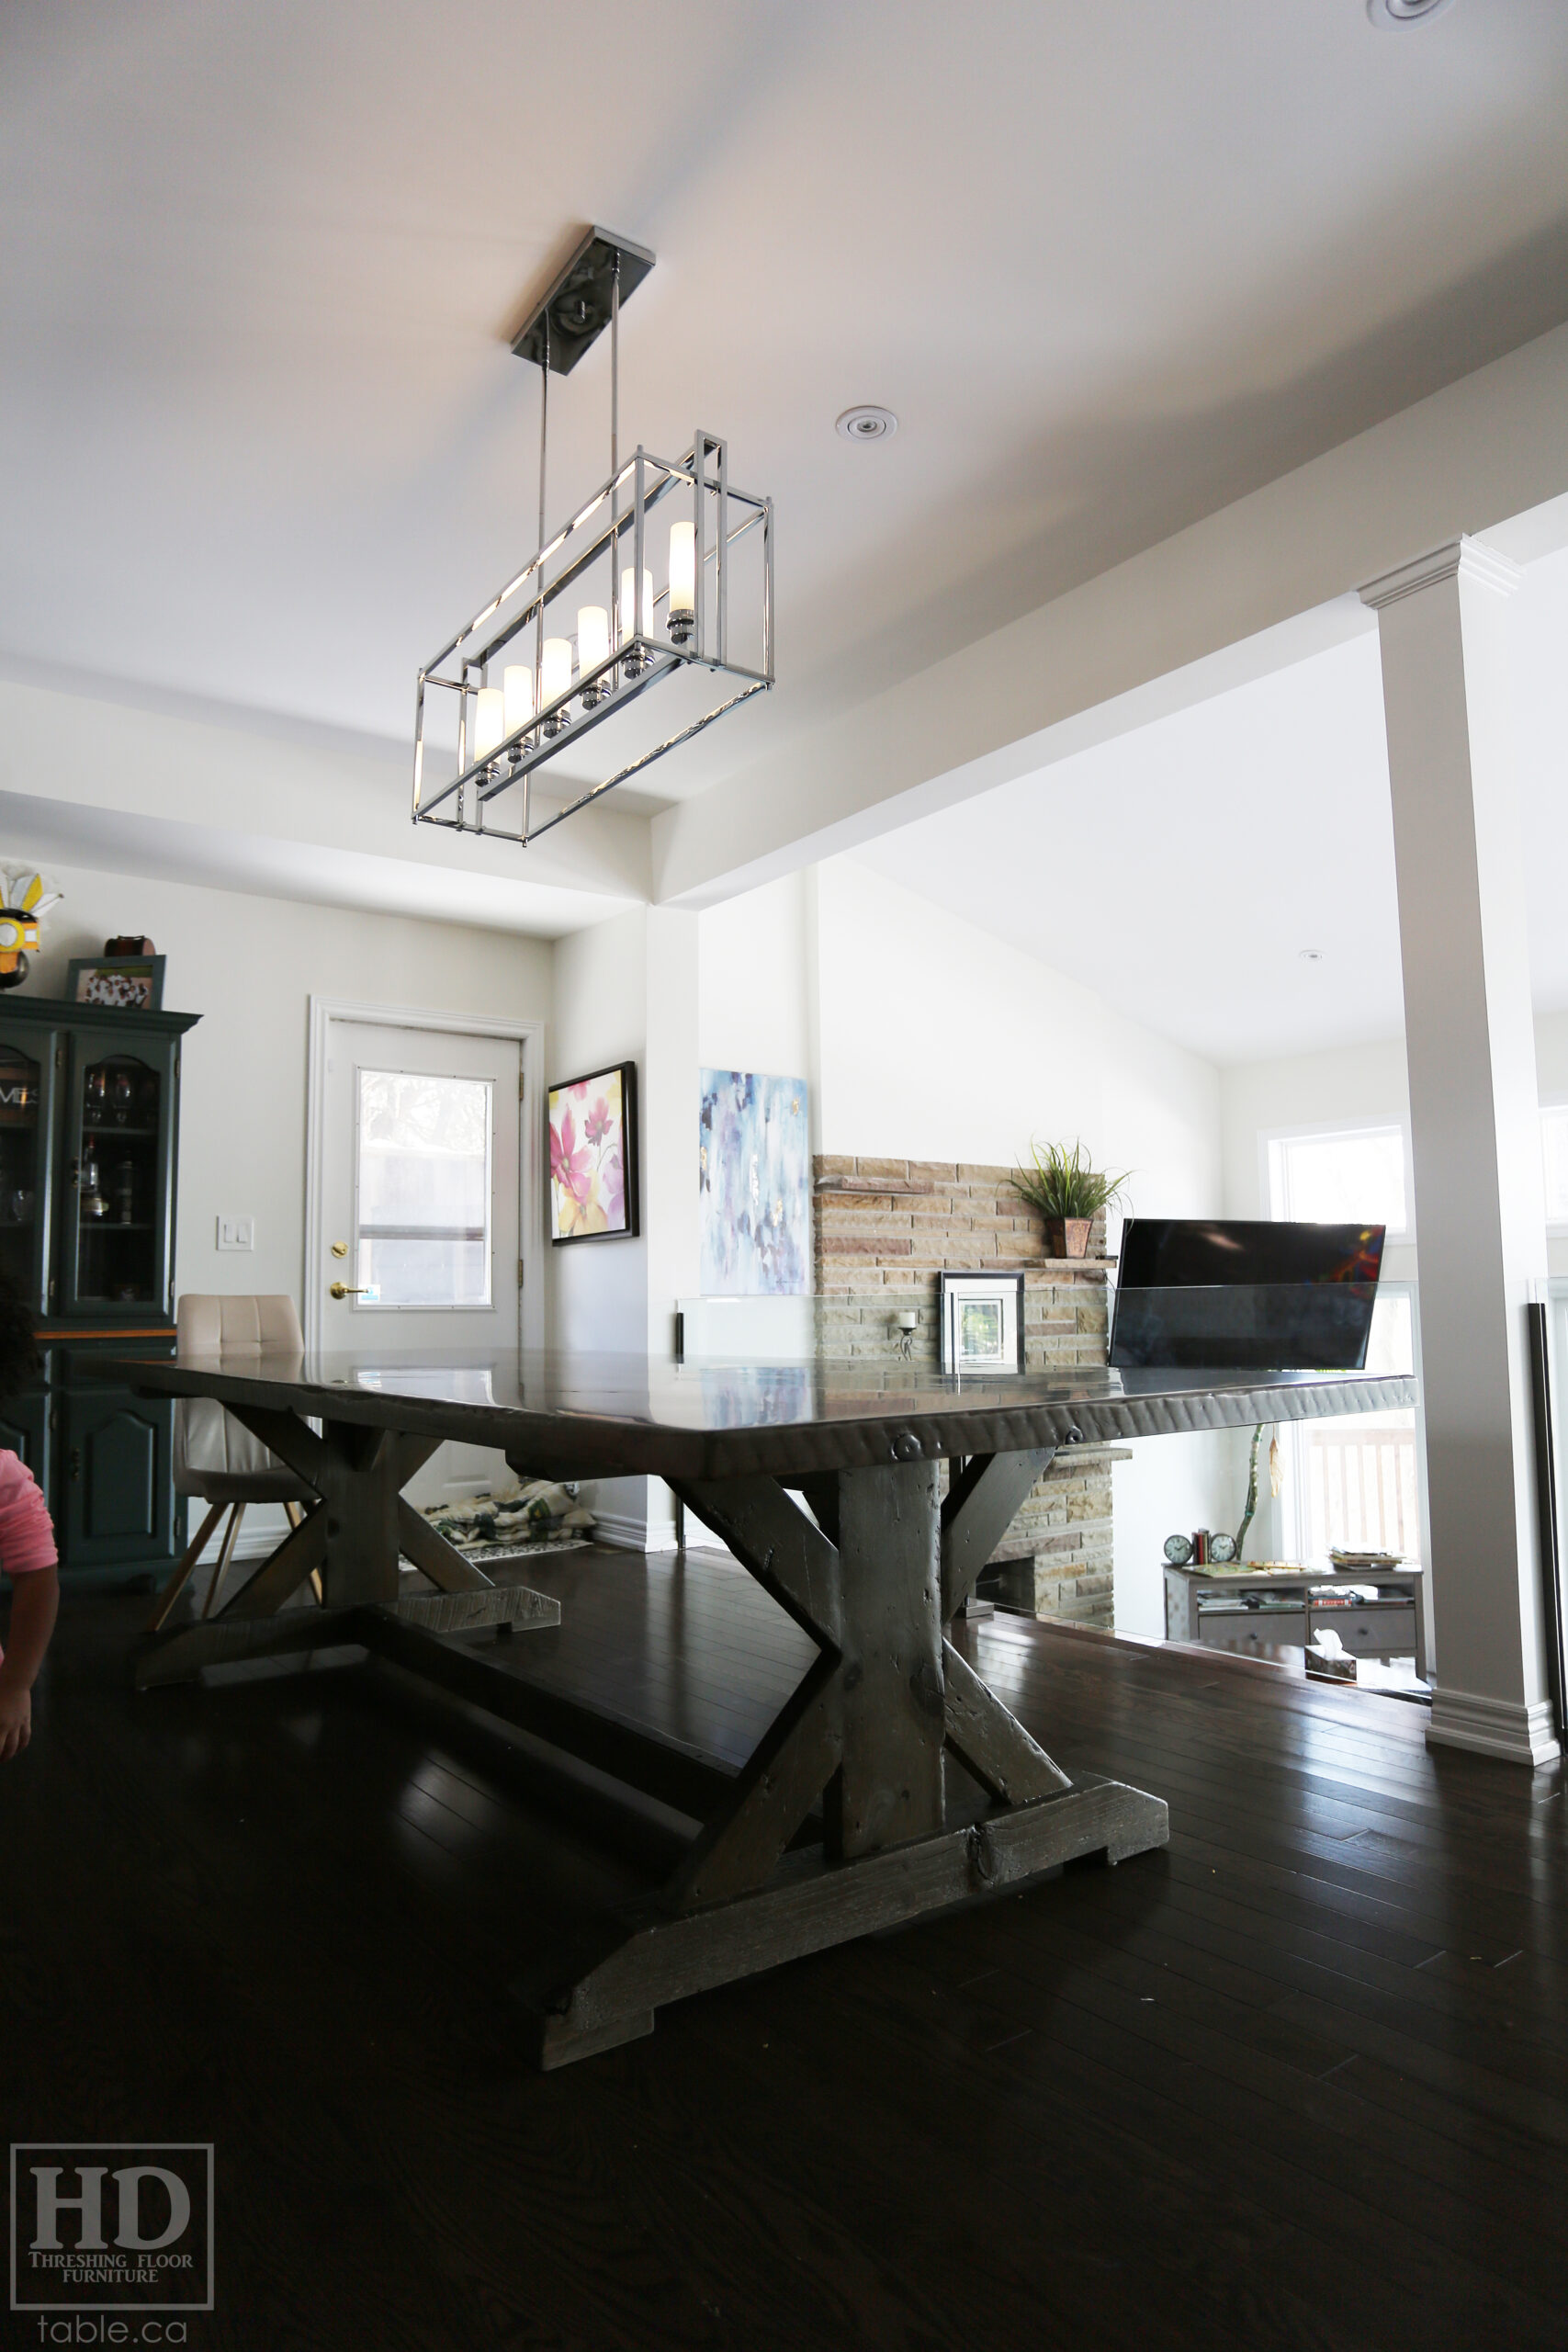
28	898
123	983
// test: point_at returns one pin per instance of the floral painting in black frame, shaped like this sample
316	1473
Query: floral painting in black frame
594	1169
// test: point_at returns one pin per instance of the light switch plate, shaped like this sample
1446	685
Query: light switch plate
236	1233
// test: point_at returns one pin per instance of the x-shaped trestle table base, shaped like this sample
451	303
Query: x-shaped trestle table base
353	1535
874	1572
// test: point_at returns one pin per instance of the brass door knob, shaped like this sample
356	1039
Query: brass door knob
347	1290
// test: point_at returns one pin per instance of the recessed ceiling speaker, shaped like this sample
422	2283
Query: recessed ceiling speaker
868	424
1397	13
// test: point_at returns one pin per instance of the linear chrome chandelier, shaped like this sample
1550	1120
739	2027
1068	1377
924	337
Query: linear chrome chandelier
549	680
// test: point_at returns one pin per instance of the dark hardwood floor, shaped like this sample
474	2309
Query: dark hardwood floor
1302	2080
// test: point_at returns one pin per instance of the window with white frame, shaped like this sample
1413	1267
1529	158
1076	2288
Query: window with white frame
1554	1161
1352	1483
1350	1176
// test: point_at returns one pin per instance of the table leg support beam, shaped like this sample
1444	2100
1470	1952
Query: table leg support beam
815	1904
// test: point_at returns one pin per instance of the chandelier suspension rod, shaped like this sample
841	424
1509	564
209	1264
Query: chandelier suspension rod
539	609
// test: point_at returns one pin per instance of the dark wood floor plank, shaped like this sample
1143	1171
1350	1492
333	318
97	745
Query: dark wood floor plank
1254	2092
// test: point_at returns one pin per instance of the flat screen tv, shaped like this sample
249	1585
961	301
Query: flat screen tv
1243	1296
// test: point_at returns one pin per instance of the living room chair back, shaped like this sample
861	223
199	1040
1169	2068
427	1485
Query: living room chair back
216	1460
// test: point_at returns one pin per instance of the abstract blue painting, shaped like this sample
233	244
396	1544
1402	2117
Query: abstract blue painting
755	1178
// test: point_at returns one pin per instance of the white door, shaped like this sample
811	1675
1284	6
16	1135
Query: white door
418	1214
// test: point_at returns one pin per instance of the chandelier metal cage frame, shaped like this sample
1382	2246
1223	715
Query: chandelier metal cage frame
686	627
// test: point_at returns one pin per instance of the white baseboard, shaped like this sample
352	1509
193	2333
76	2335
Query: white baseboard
631	1533
1509	1728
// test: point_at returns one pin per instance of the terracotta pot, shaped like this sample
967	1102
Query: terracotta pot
1068	1237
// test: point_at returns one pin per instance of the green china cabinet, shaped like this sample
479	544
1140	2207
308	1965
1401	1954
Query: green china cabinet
89	1147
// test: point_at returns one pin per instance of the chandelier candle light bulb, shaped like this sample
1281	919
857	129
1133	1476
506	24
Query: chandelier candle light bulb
592	646
682	580
517	685
629	603
489	721
555	679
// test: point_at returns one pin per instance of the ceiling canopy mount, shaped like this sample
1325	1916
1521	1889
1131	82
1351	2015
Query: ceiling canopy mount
576	310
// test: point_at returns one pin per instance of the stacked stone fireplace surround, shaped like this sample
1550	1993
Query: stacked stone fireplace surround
884	1230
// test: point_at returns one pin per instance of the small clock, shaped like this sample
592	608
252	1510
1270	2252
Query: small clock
1221	1550
1179	1550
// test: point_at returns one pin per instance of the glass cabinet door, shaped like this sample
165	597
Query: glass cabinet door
27	1105
119	1198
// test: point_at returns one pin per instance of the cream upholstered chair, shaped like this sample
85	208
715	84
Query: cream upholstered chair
215	1459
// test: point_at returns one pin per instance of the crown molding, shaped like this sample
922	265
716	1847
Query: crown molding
1456	559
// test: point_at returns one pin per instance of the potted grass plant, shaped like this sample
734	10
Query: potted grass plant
1069	1191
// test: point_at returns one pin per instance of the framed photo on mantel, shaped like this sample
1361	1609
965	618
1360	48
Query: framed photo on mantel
981	1320
593	1155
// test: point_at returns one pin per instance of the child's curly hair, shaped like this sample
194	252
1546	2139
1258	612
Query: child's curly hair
19	1365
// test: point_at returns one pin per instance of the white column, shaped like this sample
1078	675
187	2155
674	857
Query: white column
1480	1209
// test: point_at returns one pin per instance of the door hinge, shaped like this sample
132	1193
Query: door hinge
521	1271
51	1286
60	1058
521	1085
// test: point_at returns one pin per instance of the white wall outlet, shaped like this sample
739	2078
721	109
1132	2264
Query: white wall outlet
236	1233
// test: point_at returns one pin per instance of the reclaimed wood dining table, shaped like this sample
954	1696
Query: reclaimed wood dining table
865	1497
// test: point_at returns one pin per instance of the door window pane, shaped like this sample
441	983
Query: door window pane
423	1222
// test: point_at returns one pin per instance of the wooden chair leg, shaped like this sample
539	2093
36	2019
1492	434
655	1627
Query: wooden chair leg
230	1537
182	1575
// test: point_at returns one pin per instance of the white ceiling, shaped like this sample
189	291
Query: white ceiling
1181	869
261	437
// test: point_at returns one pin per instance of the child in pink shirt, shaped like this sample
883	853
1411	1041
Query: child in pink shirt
27	1545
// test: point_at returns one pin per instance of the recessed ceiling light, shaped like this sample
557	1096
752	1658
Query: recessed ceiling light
1310	954
868	424
1395	13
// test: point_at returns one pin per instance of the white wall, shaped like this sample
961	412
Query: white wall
627	989
937	1041
754	997
248	967
601	995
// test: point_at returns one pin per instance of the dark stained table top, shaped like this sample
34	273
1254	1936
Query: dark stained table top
593	1416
